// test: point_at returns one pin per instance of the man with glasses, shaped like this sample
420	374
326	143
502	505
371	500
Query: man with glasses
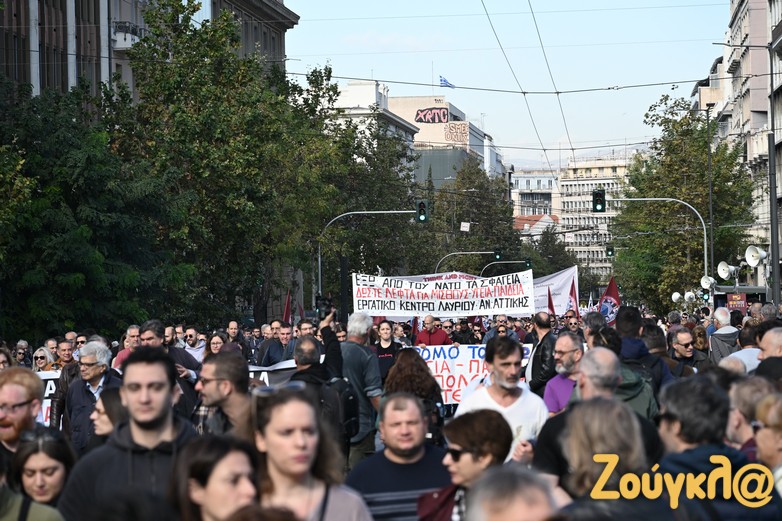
568	350
21	396
224	386
96	376
683	350
500	321
193	345
22	354
139	455
571	324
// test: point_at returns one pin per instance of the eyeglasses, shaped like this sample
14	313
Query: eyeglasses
688	344
667	416
447	327
206	381
756	426
563	353
87	364
572	323
5	408
502	331
456	454
39	358
81	342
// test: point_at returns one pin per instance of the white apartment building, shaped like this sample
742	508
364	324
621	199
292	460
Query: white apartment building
587	233
534	192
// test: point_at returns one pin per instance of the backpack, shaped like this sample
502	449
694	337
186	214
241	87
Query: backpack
434	413
339	407
649	368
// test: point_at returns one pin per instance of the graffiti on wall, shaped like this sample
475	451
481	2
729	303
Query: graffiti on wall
432	115
457	132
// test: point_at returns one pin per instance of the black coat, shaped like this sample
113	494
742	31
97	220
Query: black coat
543	365
79	404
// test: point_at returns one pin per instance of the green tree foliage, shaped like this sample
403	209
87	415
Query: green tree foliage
72	252
661	244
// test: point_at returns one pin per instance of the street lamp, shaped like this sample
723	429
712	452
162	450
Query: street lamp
772	172
501	262
320	237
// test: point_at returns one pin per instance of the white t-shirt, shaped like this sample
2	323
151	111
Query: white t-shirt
525	416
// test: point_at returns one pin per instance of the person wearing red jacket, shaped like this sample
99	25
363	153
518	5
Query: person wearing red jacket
431	335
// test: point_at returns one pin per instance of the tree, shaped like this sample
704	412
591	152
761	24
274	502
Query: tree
660	245
75	254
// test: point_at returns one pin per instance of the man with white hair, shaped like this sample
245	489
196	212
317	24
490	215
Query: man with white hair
722	342
771	344
95	376
768	312
362	369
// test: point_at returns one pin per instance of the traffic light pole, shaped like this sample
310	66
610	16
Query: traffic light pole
703	224
320	237
461	253
500	262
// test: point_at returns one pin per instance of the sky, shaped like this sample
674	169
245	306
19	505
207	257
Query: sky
593	44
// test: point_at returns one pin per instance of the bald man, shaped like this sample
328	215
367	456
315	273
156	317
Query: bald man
771	344
432	335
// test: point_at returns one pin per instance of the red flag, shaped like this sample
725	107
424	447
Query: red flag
414	330
377	320
301	310
609	302
573	299
286	313
551	303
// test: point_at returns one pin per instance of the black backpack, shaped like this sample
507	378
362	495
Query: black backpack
339	406
649	368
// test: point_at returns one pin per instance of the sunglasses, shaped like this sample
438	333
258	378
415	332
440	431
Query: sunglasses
502	331
456	454
39	358
81	342
20	353
688	344
756	426
447	327
572	323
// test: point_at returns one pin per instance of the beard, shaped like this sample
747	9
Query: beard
18	427
405	453
155	423
565	368
506	383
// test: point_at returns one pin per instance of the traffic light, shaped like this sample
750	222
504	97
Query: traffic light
599	200
422	205
705	295
609	251
497	255
528	264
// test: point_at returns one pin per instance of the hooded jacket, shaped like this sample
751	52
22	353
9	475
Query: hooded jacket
121	465
723	343
636	393
696	461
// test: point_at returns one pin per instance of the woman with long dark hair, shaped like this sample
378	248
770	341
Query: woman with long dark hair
41	465
213	477
300	465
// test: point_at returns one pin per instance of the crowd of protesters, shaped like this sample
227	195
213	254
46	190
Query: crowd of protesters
167	423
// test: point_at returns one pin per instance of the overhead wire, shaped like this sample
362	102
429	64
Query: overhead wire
518	83
551	75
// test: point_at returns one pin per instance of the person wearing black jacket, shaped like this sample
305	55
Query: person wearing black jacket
541	366
315	374
95	376
137	459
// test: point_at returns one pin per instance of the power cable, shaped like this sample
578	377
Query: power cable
526	101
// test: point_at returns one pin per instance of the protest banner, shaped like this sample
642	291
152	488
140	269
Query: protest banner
562	284
49	385
275	374
455	368
455	297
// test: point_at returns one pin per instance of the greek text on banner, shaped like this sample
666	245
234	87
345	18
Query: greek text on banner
511	294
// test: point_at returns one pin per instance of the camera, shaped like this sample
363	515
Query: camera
323	306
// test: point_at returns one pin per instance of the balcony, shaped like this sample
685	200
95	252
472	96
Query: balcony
125	34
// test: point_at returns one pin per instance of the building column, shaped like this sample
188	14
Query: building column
34	44
70	20
105	35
